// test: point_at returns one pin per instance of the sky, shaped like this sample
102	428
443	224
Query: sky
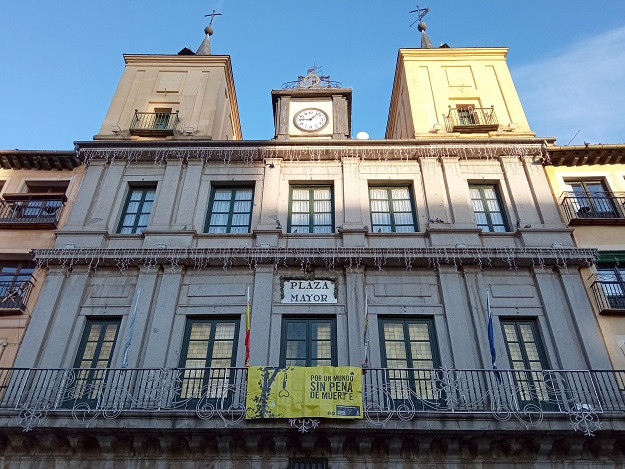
60	62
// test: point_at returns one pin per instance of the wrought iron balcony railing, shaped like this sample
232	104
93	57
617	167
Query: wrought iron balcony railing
471	119
14	294
594	207
580	397
154	124
31	210
609	295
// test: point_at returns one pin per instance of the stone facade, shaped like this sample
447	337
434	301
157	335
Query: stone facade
169	235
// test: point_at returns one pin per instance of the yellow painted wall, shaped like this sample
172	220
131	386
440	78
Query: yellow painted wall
428	81
18	243
604	238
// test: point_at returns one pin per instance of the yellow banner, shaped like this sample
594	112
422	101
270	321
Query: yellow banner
293	392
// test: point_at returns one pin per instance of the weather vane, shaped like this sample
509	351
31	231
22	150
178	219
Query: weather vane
212	15
422	12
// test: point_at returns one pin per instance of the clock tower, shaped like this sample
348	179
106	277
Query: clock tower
312	107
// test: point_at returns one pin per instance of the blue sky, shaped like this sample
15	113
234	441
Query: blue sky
61	61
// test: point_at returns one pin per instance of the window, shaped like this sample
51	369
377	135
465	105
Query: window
466	114
487	208
94	356
137	210
230	210
311	210
16	283
161	118
612	280
208	343
308	342
410	353
526	352
591	199
391	210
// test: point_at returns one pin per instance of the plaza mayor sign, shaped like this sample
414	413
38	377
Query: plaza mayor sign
306	290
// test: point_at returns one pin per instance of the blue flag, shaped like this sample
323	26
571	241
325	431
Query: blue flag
491	334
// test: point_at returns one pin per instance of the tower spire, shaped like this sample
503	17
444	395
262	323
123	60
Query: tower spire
425	40
205	47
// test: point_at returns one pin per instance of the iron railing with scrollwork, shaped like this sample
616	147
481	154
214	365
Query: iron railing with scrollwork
527	395
609	294
31	210
154	123
592	206
471	119
14	294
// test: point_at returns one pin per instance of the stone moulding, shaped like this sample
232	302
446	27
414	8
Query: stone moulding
201	258
255	153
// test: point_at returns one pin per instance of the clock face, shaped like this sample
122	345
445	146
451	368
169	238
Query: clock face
310	120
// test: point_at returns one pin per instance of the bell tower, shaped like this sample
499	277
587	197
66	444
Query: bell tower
190	95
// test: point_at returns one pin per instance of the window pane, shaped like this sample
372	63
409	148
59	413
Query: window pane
219	219
399	193
300	194
223	194
221	207
379	206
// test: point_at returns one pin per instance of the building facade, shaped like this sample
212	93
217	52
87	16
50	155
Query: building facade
388	256
588	182
37	189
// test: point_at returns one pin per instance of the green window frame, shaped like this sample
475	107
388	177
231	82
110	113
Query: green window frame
488	208
612	280
137	209
311	209
230	210
94	356
208	354
527	357
410	354
308	342
392	209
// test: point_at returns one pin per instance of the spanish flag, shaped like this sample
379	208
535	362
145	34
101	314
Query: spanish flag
248	313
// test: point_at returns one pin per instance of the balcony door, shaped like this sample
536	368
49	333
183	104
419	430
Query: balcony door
592	199
308	342
612	281
94	358
527	357
208	354
410	354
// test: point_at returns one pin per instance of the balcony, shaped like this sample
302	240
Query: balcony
31	210
609	295
471	119
154	124
594	208
14	294
580	399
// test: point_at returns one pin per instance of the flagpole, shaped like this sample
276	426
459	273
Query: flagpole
131	328
366	331
491	332
247	329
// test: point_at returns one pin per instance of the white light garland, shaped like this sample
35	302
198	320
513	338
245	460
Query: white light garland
251	154
351	258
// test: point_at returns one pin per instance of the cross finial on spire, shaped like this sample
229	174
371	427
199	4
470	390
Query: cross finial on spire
212	15
425	40
422	12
